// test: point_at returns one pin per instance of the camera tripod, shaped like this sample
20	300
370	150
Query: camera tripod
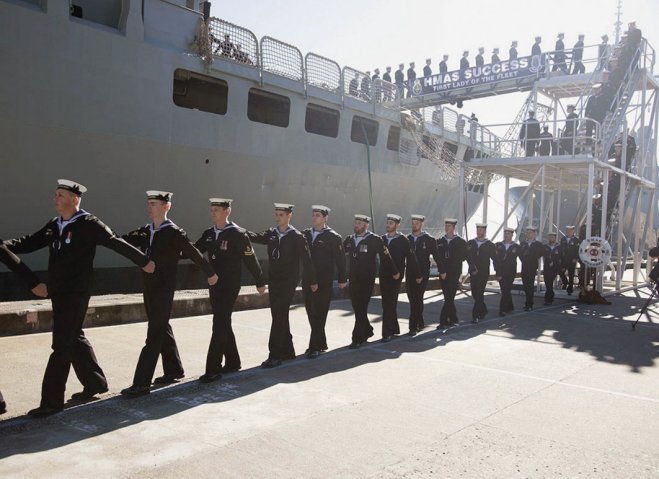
645	306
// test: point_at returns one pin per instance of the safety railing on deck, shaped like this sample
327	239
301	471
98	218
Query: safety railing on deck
356	84
386	93
323	73
233	43
281	59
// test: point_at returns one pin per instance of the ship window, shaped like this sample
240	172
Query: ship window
359	124
200	92
268	108
393	140
322	121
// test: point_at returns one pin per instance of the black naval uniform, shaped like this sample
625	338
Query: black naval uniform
529	254
362	251
551	265
451	253
326	253
423	246
403	258
505	266
25	274
285	253
226	250
164	245
570	250
479	255
72	246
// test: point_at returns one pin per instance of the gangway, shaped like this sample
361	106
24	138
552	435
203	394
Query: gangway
584	162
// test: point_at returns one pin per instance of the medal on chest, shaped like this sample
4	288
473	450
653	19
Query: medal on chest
68	238
224	245
363	248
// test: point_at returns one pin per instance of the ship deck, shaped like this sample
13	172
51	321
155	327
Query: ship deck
565	390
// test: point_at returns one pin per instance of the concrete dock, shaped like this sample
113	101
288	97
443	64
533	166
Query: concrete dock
567	390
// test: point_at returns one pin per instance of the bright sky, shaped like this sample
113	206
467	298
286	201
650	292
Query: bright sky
366	34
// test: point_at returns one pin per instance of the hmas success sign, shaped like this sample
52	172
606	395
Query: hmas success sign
522	67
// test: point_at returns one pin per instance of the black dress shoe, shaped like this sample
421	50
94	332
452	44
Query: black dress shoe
210	377
43	411
271	363
230	369
412	333
355	345
441	326
3	407
386	339
502	314
136	391
313	354
86	394
474	321
168	379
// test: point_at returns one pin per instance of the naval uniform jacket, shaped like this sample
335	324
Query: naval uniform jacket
551	259
505	262
226	250
402	257
451	254
570	249
479	256
529	254
20	269
285	253
423	246
362	256
72	247
165	245
326	254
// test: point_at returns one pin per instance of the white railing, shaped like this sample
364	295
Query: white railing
323	73
233	43
281	59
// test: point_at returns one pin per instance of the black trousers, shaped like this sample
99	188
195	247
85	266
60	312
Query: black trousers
223	342
569	279
530	147
478	284
449	288
549	277
317	305
390	289
578	68
159	338
506	302
415	294
280	343
70	348
528	281
360	295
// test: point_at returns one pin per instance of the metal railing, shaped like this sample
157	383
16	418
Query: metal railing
356	84
323	73
386	94
281	59
232	42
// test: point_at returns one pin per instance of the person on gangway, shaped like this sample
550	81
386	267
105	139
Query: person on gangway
529	134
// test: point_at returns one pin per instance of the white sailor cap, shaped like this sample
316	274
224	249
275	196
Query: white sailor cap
418	217
364	218
481	225
496	50
71	186
451	221
159	195
224	202
324	210
559	35
531	228
569	227
284	207
551	233
393	217
571	106
509	229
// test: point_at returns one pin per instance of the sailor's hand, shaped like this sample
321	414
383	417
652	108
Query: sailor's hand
442	275
419	280
150	267
212	281
397	275
343	285
261	290
314	287
40	290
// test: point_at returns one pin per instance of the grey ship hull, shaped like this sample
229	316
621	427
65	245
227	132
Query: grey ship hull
81	101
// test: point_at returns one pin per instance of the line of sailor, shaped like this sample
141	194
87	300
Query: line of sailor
315	255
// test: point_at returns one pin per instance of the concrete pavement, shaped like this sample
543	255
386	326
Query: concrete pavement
563	391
